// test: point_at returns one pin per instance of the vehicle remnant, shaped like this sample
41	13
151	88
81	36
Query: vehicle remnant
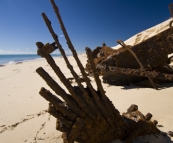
85	114
149	57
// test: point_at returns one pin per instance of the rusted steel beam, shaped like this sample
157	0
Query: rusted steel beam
138	72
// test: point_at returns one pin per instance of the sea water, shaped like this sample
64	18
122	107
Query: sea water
9	59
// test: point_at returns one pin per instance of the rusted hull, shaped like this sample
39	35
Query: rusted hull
152	52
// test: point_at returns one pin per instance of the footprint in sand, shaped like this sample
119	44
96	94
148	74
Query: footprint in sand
13	126
42	127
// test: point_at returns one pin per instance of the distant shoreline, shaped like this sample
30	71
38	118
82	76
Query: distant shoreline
19	58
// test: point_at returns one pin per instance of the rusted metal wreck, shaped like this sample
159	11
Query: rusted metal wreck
145	63
85	114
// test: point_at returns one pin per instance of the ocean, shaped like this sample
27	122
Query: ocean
9	59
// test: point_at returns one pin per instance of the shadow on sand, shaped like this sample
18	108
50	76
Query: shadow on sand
161	86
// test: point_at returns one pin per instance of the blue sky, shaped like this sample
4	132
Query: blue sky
88	22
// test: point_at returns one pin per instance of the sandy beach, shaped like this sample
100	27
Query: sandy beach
23	116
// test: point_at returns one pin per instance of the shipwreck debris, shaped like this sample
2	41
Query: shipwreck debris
85	114
149	58
118	66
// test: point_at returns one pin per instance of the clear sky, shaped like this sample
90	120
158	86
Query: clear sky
88	22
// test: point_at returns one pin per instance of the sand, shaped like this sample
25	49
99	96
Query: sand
23	116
